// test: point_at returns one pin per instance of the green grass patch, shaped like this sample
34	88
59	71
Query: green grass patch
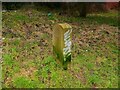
25	83
110	18
8	60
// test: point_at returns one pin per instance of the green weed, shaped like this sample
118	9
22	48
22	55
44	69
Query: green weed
8	60
24	83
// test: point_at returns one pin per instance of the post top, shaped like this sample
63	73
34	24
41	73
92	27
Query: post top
63	25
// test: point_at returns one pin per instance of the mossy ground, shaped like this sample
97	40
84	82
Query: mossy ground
28	60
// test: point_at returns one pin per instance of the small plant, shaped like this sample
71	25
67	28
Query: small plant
8	60
16	42
23	82
94	79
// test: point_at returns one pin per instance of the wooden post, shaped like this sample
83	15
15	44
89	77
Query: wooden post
62	35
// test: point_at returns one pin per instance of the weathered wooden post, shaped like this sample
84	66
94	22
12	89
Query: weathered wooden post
62	35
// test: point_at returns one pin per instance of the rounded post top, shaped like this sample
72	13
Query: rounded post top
63	25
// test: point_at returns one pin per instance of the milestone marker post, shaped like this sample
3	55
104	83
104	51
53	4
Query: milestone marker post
62	41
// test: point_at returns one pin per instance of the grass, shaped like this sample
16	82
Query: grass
25	83
110	18
29	61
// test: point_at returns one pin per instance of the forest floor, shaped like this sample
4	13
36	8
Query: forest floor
28	60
